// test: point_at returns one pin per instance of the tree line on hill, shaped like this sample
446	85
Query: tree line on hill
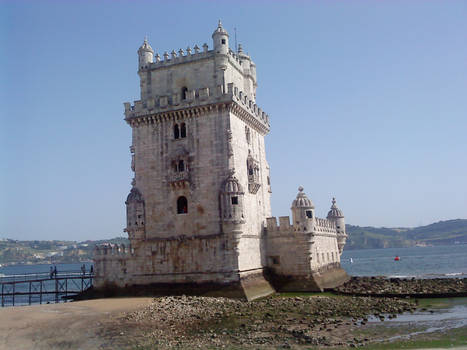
46	252
440	233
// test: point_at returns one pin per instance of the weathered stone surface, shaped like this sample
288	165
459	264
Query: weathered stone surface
198	213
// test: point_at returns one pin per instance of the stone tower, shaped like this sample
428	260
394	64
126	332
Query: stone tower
198	212
200	196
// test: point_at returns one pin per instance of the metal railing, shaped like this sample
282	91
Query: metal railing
29	288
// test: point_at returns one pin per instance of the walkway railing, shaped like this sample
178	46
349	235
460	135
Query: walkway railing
26	289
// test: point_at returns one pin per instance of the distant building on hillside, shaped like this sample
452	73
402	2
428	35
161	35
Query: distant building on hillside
198	213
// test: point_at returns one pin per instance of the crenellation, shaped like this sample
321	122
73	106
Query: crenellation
284	223
200	96
199	207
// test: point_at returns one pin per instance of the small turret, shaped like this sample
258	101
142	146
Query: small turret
232	201
145	54
336	215
220	40
135	213
303	212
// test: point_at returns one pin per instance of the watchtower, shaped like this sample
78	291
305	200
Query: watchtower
199	159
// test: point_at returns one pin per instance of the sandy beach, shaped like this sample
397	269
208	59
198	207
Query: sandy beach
74	325
283	321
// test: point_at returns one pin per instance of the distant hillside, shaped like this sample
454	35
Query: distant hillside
439	233
46	252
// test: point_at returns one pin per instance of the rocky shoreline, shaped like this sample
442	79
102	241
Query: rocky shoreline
281	321
286	320
404	287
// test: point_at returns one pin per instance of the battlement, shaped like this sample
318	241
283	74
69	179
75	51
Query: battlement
284	225
108	250
325	226
196	98
189	55
320	225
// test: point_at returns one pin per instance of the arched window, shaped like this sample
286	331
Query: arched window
176	131
182	130
182	205
181	166
184	91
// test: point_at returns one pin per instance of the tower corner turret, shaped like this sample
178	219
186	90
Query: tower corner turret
303	212
336	215
220	39
145	54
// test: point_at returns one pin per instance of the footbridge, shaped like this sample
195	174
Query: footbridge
32	288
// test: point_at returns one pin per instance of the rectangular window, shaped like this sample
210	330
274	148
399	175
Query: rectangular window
235	200
223	41
309	214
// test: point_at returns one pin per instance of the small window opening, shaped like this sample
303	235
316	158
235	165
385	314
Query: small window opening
235	200
269	180
183	130
182	205
176	131
184	91
223	41
250	171
309	214
275	260
181	166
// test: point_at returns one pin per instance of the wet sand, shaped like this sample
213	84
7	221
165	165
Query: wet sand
73	325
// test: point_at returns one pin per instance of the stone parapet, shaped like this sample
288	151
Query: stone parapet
198	98
109	251
190	55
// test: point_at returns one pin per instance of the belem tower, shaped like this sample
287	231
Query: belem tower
198	213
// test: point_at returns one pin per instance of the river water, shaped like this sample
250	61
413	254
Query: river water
421	262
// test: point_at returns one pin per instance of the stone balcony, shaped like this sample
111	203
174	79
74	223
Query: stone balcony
179	179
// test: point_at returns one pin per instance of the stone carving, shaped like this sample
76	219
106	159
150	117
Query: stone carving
199	212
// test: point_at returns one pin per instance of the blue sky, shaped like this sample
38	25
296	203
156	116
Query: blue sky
367	101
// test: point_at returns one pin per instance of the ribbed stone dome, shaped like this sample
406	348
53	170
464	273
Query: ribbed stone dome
134	196
335	212
302	201
146	46
231	185
219	29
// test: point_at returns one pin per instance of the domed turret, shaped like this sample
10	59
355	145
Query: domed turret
336	215
135	215
145	54
220	39
303	212
335	212
232	201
